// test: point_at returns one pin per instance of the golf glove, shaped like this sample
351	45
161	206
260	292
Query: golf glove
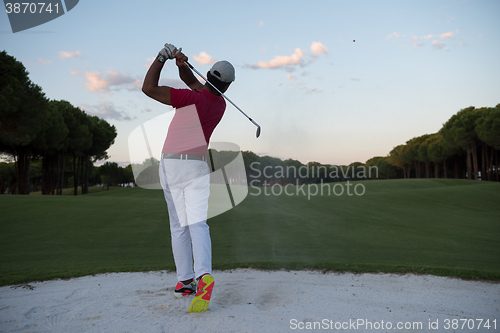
168	51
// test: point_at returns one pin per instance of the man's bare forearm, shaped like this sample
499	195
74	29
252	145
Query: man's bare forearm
187	76
152	76
150	86
185	73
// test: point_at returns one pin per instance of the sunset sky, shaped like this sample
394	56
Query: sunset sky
317	94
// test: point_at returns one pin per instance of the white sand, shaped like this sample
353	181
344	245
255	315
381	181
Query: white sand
246	300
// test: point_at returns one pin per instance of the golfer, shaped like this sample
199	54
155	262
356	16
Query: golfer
184	172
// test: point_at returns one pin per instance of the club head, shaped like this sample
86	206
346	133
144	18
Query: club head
258	131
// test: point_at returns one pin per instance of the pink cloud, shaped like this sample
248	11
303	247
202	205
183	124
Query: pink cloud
318	48
295	59
446	35
113	80
204	59
283	61
63	55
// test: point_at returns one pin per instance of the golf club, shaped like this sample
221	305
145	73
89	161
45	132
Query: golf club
194	69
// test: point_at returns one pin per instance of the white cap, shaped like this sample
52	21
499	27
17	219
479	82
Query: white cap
223	70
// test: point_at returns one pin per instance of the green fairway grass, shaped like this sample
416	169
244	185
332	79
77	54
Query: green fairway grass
437	226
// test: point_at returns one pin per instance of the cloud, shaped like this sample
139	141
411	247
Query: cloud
435	43
282	61
43	62
289	63
313	90
204	59
105	110
63	55
113	80
318	48
297	58
393	35
446	35
438	45
96	82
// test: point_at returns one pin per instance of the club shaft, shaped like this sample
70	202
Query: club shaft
201	75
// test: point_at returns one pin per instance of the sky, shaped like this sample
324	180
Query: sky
328	81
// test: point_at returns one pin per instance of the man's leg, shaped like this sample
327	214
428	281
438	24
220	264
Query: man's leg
181	248
196	195
202	248
179	230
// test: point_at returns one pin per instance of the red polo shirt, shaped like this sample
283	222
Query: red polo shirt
197	114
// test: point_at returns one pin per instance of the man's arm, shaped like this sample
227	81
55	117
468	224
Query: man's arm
185	73
150	86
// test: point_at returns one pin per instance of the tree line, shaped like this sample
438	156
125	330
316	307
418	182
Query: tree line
465	147
54	132
106	175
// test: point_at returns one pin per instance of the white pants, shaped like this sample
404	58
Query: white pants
186	186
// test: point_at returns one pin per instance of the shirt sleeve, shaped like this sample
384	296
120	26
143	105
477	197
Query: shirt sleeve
181	97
